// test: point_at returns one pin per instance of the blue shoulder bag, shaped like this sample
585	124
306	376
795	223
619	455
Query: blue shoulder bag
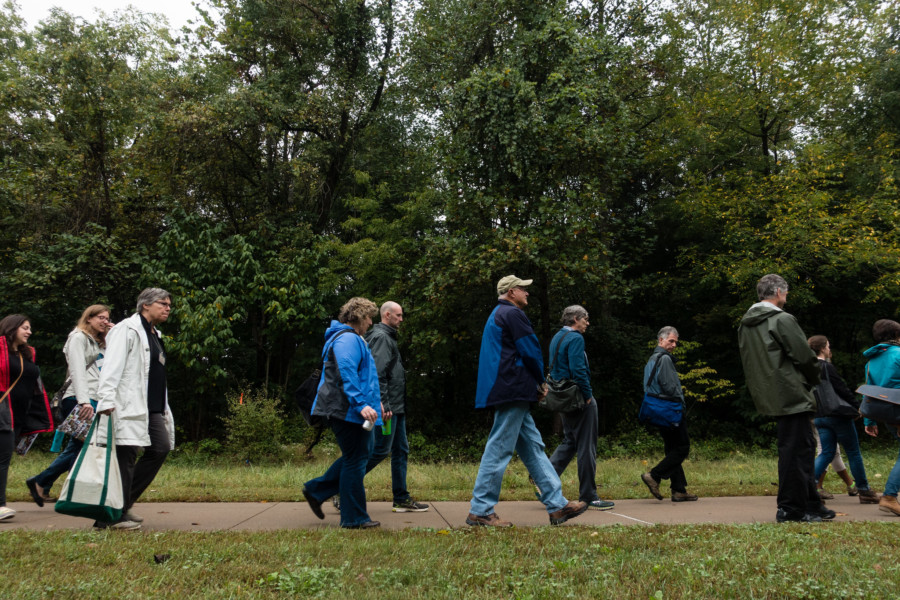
661	412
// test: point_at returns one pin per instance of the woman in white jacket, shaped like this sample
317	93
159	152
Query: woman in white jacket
133	388
84	355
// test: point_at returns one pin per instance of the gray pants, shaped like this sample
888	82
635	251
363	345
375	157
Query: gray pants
137	476
580	437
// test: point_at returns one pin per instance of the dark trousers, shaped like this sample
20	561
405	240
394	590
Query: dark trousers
396	444
580	438
7	446
796	464
677	447
138	473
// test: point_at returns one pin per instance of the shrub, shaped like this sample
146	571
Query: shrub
254	426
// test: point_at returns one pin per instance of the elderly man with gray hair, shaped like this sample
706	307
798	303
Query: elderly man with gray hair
133	386
568	360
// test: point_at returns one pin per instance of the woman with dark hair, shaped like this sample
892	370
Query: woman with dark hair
83	352
348	396
24	408
883	369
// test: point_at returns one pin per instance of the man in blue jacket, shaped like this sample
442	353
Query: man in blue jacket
510	378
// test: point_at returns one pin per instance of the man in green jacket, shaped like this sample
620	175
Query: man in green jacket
781	372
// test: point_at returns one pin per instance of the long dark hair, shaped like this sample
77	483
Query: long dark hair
8	327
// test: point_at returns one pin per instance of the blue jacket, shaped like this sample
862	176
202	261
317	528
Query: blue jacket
883	368
344	391
569	360
510	366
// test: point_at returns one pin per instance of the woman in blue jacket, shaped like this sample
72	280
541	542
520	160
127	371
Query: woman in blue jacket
349	397
883	369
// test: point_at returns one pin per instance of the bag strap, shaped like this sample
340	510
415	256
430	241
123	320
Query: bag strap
556	354
654	369
21	370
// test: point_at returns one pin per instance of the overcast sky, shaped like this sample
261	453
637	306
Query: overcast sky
176	11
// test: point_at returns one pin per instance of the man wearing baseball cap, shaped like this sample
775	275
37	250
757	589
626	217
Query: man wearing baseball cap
510	378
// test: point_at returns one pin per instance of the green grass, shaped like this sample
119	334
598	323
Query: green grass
193	478
745	561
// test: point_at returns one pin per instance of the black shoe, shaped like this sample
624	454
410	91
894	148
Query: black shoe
38	497
826	514
366	525
314	504
782	516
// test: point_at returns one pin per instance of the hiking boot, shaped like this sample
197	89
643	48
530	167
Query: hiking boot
569	511
409	505
130	516
6	513
314	504
869	497
889	504
852	490
599	504
491	520
782	516
652	485
683	497
37	493
824	495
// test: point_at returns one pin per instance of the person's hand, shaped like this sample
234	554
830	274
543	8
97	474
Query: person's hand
369	414
872	430
588	401
387	415
85	411
542	392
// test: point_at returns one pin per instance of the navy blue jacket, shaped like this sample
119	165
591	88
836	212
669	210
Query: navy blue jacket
570	361
510	366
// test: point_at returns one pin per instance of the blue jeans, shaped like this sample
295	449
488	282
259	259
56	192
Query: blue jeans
345	475
66	459
514	429
840	430
395	444
893	482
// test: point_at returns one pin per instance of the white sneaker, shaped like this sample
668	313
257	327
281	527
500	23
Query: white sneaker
130	516
6	513
121	525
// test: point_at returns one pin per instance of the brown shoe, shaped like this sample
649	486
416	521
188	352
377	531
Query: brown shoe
652	485
491	520
825	495
569	511
683	497
889	504
869	497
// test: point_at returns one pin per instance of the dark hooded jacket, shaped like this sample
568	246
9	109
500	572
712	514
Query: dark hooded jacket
780	368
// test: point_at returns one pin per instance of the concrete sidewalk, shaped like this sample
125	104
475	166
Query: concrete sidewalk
262	516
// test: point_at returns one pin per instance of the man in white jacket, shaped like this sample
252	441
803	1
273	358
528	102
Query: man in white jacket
133	386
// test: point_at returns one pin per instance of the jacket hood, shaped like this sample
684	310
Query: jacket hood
759	313
334	328
878	349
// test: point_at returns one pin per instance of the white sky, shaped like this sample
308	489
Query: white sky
178	12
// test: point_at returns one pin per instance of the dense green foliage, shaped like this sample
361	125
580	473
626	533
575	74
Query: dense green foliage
647	160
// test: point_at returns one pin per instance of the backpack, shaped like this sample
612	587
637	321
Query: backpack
305	395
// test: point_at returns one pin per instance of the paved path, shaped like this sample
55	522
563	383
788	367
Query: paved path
261	516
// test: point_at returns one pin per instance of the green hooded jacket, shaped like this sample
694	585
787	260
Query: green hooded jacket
780	367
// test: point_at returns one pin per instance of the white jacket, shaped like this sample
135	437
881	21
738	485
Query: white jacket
123	384
81	351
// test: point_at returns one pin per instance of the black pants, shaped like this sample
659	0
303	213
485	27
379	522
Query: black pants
138	473
796	465
677	446
580	438
7	446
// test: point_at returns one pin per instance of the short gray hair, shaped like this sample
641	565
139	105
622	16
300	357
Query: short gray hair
666	332
769	285
151	295
572	313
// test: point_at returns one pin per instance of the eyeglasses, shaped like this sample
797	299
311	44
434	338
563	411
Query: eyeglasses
102	318
166	304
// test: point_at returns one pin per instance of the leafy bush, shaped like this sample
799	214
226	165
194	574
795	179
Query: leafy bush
254	425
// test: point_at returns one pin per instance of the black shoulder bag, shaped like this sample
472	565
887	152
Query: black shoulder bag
563	395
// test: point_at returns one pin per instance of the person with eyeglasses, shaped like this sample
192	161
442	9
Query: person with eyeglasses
133	386
84	357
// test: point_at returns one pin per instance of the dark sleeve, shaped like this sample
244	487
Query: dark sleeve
793	342
839	385
578	367
526	344
381	353
667	378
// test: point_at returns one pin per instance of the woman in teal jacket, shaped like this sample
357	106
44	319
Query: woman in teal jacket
883	369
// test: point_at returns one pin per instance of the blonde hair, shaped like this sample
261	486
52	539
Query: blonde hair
89	313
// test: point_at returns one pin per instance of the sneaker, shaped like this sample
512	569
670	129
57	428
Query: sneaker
683	497
869	497
37	493
130	516
491	520
782	516
599	504
889	504
825	495
409	505
314	504
852	489
652	485
120	525
569	511
826	514
336	502
6	513
366	525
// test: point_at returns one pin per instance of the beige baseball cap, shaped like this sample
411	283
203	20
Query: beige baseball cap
511	281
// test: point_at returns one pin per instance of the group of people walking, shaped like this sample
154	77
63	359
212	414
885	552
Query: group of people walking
361	394
118	371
